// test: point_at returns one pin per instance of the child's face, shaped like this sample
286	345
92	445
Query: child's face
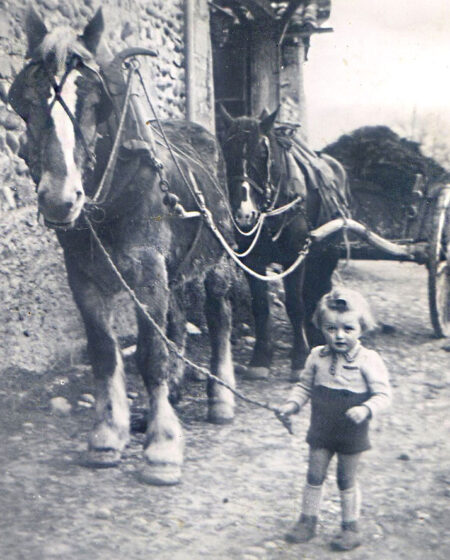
341	330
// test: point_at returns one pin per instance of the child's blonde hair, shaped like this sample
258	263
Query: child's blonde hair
343	299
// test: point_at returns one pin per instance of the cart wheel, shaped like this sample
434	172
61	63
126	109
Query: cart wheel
439	266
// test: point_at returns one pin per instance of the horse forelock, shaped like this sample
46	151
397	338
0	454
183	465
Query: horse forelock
60	44
247	125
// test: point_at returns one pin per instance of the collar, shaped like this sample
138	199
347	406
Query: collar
349	356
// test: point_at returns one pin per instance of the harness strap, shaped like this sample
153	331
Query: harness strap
250	181
105	182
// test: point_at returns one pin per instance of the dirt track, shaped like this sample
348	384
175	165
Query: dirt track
241	485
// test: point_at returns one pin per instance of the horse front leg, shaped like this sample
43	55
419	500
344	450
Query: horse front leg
164	441
295	309
219	319
112	424
261	360
176	331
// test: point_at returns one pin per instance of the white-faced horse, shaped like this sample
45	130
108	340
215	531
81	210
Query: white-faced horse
84	136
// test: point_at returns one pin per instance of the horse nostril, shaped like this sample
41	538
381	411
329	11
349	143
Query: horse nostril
68	205
79	194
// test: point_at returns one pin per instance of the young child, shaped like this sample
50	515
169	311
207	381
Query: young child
347	384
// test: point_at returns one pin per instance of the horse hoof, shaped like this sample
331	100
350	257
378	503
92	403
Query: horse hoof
256	372
295	375
160	475
101	458
221	413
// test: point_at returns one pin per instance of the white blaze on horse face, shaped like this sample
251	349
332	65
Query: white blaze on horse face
65	131
247	211
60	190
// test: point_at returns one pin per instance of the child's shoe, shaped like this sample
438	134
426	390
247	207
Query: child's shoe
348	539
303	531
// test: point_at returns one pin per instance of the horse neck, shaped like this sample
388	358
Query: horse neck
278	171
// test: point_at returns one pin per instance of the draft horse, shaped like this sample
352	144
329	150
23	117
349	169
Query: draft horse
82	131
280	190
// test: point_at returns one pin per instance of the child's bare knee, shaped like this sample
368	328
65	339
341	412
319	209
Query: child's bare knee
345	482
315	478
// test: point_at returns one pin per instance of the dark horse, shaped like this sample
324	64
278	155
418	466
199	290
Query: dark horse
279	190
72	108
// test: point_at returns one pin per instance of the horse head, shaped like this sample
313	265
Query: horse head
62	99
247	152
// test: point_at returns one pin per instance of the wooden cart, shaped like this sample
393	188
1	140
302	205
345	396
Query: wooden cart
423	221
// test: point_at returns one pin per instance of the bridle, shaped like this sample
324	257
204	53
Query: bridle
265	187
75	63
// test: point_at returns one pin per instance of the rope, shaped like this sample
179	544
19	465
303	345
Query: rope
171	346
163	134
284	208
303	253
254	240
246	233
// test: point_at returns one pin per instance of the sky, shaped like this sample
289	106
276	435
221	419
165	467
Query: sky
387	62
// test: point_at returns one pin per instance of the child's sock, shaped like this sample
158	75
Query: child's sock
349	538
350	505
305	528
312	496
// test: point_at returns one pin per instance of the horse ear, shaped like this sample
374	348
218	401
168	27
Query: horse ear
264	114
227	118
267	123
93	32
35	30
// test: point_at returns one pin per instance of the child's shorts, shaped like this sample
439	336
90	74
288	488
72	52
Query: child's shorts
330	428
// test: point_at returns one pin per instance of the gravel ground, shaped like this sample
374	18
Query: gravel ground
242	483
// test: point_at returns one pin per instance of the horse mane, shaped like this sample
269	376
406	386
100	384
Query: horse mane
59	45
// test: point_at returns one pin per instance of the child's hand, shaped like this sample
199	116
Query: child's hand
287	409
358	414
284	412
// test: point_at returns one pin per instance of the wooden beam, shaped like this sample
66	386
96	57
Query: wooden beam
263	5
260	8
400	251
284	22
